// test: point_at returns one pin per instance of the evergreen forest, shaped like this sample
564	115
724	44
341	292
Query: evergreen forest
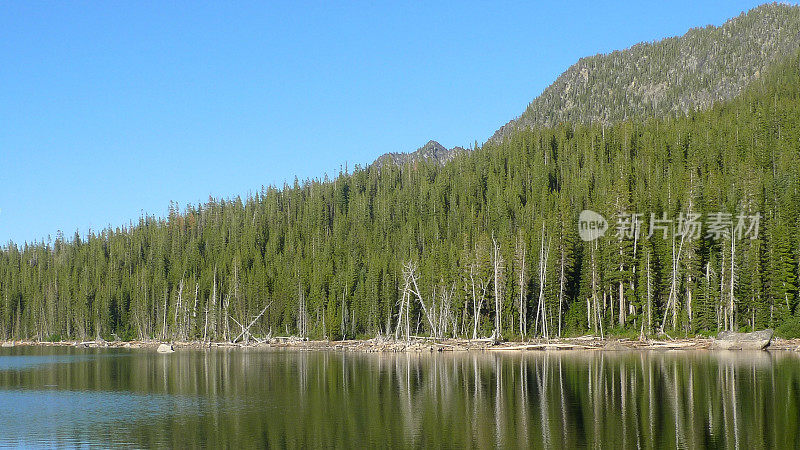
486	244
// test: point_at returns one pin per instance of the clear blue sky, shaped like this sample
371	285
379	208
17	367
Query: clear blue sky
109	110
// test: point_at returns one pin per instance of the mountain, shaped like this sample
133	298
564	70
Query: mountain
668	77
432	151
453	249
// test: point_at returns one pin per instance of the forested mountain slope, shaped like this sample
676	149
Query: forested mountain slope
488	241
675	75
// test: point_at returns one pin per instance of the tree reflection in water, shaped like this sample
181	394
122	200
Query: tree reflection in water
491	399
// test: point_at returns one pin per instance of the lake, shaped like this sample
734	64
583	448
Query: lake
259	397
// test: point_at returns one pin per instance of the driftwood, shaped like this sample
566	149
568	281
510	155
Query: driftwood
246	330
730	340
418	344
91	344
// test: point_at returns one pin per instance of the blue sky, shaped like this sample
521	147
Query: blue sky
109	110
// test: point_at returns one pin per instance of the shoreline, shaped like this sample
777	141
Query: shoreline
420	344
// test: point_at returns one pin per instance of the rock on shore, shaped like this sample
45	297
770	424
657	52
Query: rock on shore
165	348
731	340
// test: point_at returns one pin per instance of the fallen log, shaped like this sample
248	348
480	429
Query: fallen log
731	340
515	347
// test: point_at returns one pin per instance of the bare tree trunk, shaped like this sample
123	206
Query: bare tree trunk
649	297
707	291
621	303
475	310
191	324
523	319
213	304
246	330
673	290
164	326
722	312
324	330
411	271
733	282
541	312
622	317
445	317
178	325
400	315
226	302
598	317
497	262
689	298
302	318
561	282
477	302
594	290
344	315
389	322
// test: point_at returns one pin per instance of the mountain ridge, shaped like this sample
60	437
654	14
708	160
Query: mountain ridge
431	151
666	77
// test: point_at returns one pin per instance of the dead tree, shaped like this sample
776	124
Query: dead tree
732	277
403	322
437	313
444	313
595	306
622	316
523	307
541	310
164	317
672	302
212	309
178	316
497	265
479	287
246	330
562	285
649	296
343	315
190	323
722	315
302	314
430	315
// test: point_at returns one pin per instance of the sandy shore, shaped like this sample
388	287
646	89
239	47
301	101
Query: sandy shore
420	344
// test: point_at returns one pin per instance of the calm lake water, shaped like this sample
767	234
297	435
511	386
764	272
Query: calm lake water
246	398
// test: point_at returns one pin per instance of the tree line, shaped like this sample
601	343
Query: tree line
487	244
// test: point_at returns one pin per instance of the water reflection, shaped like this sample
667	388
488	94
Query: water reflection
302	399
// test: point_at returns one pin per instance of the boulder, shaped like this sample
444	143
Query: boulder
8	344
165	348
731	340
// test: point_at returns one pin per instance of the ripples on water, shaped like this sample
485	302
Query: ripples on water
248	398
